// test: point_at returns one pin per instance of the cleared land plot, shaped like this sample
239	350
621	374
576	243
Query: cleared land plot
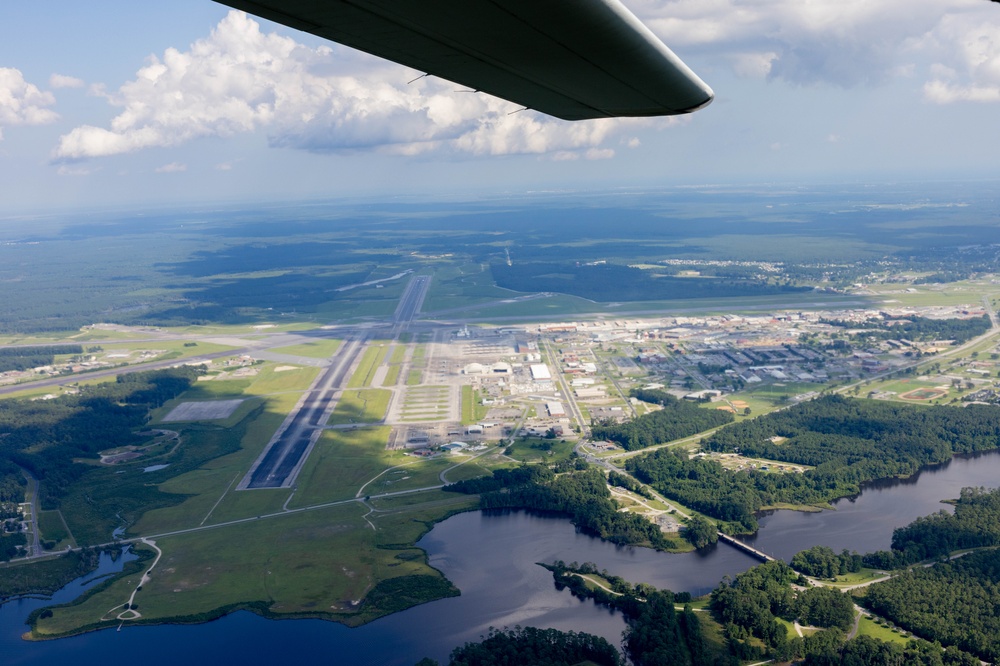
210	410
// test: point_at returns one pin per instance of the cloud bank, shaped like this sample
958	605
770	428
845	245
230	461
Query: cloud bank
240	79
22	103
953	44
332	99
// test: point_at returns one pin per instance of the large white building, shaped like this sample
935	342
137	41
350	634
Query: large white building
540	372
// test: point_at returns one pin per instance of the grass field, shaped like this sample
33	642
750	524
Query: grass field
364	406
313	349
868	627
53	528
341	462
370	361
312	563
472	410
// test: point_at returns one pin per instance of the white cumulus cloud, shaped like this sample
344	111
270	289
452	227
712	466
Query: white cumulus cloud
326	99
971	71
843	42
173	167
22	103
63	81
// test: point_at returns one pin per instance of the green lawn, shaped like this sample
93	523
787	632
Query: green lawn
370	361
342	461
363	406
312	563
314	349
868	627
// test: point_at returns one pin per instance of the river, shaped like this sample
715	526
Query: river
491	558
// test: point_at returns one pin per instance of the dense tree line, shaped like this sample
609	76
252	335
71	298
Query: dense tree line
45	437
677	419
657	632
628	483
582	495
10	545
528	646
25	358
618	282
847	441
918	329
48	575
700	532
822	562
827	649
951	602
750	605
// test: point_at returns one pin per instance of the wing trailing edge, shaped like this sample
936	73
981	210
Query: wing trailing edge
572	59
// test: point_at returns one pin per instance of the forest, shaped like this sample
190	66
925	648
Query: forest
749	607
605	282
657	632
952	602
918	329
45	436
582	495
528	646
846	441
678	418
822	562
25	358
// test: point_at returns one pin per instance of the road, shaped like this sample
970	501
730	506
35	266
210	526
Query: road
569	399
113	372
36	540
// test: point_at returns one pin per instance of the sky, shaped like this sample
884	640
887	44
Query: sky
112	103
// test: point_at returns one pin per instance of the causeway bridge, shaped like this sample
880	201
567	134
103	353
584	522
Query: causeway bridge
750	550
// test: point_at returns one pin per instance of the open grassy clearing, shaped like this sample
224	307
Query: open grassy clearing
321	348
472	408
203	487
391	375
534	449
363	406
341	462
370	361
313	563
868	627
53	528
398	354
269	380
174	349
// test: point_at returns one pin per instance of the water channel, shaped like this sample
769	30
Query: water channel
491	558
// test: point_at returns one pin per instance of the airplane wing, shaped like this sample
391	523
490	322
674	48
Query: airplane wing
573	59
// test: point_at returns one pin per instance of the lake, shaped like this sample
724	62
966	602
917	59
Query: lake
491	558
